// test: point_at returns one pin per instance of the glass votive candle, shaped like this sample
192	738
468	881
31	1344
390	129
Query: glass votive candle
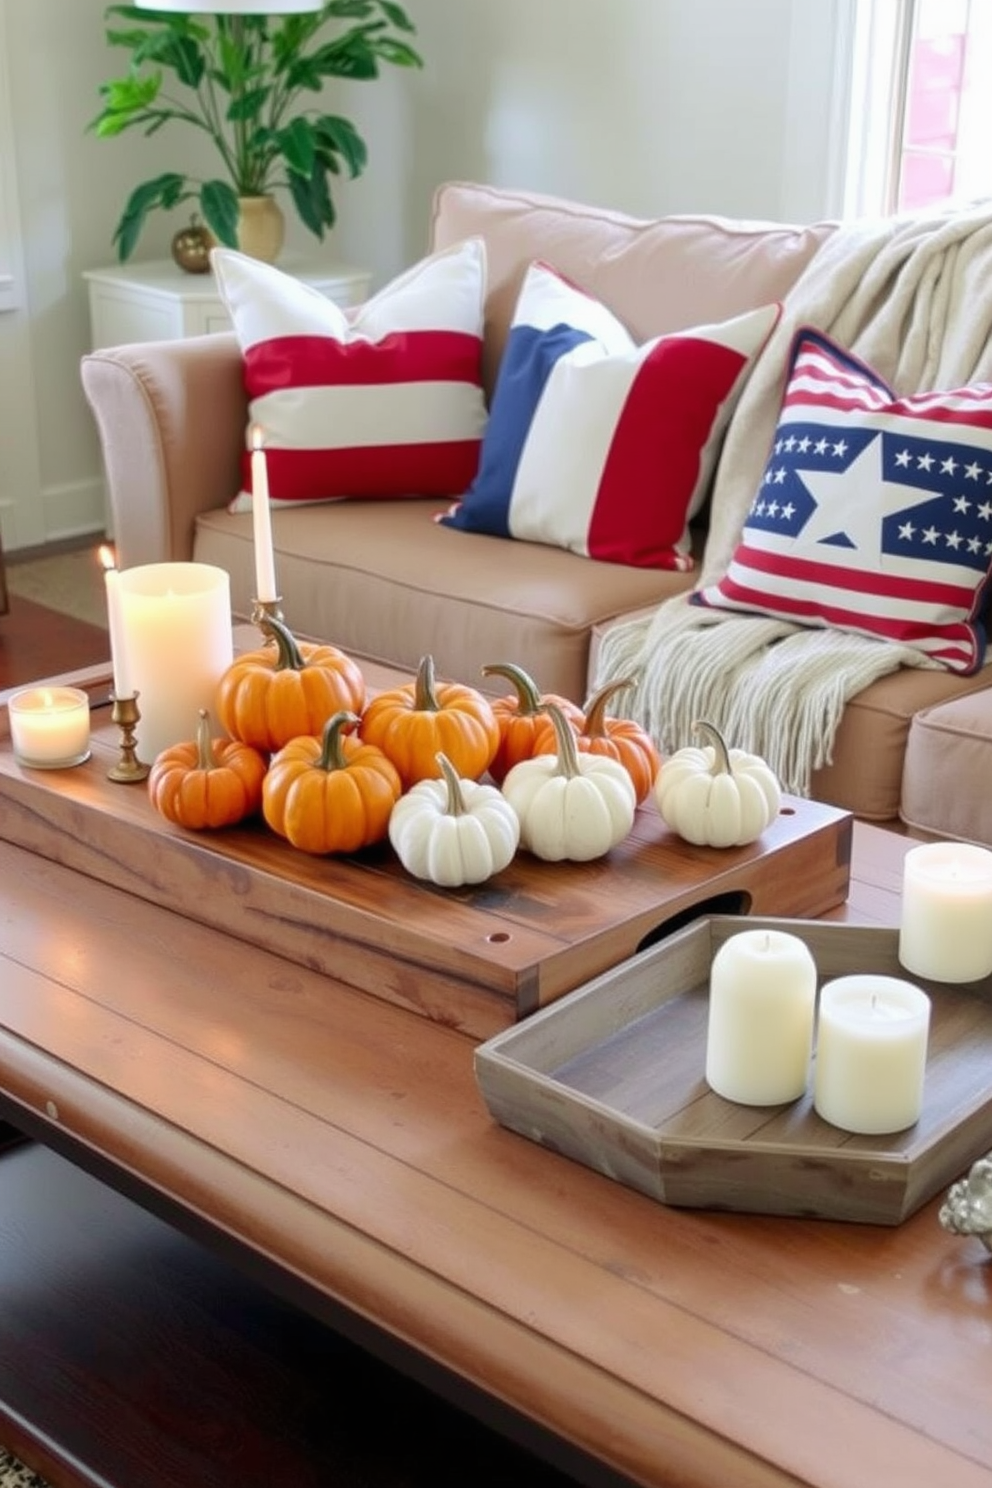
50	727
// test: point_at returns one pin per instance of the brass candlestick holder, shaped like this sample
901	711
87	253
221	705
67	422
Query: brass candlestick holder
262	609
125	713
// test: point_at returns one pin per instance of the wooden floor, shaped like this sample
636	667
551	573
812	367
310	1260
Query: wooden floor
37	642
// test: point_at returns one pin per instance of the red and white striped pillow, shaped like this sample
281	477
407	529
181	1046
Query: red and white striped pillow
385	402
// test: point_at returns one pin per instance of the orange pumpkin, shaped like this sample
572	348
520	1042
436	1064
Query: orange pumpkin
416	721
618	738
333	793
207	783
286	690
519	715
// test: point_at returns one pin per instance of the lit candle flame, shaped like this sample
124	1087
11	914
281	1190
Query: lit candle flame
257	436
107	556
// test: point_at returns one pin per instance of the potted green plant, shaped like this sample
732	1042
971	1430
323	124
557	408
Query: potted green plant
247	81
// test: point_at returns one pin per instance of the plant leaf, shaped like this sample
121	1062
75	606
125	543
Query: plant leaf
162	191
391	49
298	146
347	9
219	206
185	56
249	106
349	56
312	200
337	136
396	16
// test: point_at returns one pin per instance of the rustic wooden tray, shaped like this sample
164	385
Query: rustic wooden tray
477	959
612	1076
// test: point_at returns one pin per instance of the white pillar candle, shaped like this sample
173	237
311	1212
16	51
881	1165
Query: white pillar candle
118	645
871	1053
177	629
760	1031
261	521
50	727
945	931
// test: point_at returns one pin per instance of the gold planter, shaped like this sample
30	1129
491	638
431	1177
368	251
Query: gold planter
261	227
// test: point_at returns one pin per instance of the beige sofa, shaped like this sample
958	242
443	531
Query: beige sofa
384	581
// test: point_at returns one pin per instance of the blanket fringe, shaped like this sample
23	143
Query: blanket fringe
770	687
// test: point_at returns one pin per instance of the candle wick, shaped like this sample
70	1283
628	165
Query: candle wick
874	1003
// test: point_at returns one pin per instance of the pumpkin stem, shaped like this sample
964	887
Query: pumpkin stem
528	697
568	755
204	748
332	756
290	656
425	696
595	711
712	735
456	798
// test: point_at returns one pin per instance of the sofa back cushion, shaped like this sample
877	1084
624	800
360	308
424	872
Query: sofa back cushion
656	276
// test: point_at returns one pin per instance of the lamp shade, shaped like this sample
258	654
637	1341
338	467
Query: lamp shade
230	7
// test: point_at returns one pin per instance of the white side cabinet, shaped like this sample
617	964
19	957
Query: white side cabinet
158	301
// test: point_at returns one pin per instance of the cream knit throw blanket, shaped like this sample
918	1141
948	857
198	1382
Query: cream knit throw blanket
911	296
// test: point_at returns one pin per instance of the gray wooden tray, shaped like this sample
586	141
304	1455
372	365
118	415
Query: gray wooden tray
612	1075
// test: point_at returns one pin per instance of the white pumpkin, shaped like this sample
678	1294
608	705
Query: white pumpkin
571	806
715	796
453	831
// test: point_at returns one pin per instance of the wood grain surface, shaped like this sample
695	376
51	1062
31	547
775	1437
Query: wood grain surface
613	1075
340	1143
477	958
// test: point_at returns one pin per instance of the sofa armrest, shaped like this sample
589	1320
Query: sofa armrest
171	416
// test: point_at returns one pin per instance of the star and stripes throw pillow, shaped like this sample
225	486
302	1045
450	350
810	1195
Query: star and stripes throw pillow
386	401
598	444
874	514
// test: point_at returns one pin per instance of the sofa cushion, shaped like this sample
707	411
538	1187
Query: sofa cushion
386	582
385	402
597	444
874	513
947	769
656	276
865	773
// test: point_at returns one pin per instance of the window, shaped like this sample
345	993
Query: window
921	120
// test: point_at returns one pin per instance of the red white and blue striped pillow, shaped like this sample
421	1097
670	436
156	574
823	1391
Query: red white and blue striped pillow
385	402
874	514
599	445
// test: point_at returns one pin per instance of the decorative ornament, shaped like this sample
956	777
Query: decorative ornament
191	246
967	1210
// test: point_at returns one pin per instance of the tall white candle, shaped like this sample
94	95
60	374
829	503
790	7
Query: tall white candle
261	521
118	644
945	931
50	727
871	1052
760	1030
177	626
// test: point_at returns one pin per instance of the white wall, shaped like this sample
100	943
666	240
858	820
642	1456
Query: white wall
649	106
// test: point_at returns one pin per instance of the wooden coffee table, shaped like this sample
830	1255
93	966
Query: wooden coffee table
333	1145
